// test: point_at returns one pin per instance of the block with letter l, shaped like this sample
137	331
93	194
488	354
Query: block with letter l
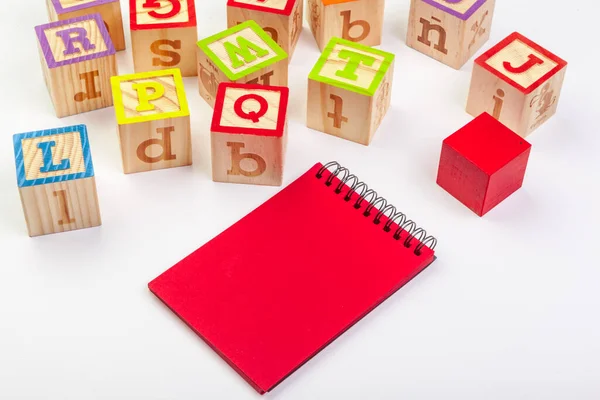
56	180
154	120
249	134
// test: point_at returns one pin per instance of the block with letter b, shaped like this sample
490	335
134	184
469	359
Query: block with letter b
249	134
154	120
518	82
163	35
349	90
109	10
56	180
359	21
450	31
78	59
244	53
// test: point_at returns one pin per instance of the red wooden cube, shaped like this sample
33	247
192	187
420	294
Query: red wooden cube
483	163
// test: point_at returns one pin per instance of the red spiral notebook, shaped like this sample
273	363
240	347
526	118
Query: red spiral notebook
282	283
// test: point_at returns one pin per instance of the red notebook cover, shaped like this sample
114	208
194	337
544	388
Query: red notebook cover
282	283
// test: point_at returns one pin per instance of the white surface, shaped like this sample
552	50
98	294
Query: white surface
508	311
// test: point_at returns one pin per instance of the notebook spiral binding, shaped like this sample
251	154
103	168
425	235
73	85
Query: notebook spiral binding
373	200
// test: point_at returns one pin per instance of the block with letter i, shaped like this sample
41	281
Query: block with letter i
109	10
282	19
78	59
163	35
154	120
483	163
518	82
249	134
56	180
244	53
349	90
450	31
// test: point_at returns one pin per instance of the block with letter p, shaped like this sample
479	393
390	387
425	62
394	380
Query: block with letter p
349	90
154	120
249	134
56	180
243	54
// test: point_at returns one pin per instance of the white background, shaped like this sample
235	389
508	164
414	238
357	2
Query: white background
510	310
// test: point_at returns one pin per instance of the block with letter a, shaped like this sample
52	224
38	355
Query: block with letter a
244	53
55	176
450	31
249	134
163	35
282	19
518	82
109	10
154	120
349	90
78	59
359	21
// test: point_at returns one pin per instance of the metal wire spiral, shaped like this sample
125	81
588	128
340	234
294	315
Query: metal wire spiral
378	204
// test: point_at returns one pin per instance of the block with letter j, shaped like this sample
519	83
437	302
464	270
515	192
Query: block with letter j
56	180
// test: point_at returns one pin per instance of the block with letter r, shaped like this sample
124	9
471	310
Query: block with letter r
78	59
244	53
56	181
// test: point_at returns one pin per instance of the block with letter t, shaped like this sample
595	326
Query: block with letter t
450	31
244	53
56	180
78	59
349	90
249	134
163	35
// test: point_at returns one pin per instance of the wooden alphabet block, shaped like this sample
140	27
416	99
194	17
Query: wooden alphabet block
163	35
483	163
518	82
349	90
56	180
282	19
249	134
358	21
244	53
154	120
78	59
110	10
450	31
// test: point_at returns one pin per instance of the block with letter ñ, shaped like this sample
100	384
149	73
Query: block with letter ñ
349	90
163	35
282	19
56	180
244	53
518	82
483	163
359	21
154	120
249	134
78	59
450	31
109	10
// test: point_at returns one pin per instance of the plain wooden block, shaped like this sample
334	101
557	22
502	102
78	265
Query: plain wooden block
282	19
483	163
244	53
359	21
110	10
55	176
349	90
249	134
163	35
78	59
153	120
518	82
449	31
